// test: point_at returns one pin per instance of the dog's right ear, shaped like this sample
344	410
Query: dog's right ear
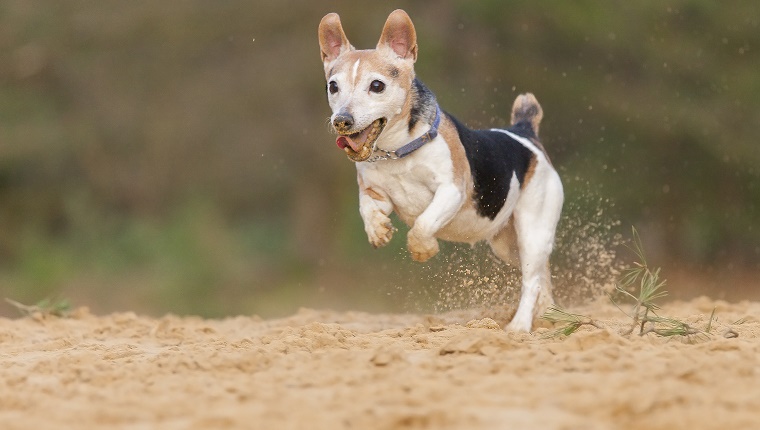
332	39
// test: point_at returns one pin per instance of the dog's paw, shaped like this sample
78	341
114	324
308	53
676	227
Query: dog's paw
543	303
380	231
421	247
519	325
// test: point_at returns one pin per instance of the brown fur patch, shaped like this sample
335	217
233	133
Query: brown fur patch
540	146
458	156
374	194
462	173
405	78
363	189
531	170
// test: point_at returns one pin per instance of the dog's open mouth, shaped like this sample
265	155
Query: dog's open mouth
359	146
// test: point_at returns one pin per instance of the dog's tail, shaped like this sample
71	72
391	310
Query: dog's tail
527	110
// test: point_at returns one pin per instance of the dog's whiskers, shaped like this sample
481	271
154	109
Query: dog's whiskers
330	128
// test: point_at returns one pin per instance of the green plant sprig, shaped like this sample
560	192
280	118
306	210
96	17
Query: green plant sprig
48	306
643	315
571	322
650	287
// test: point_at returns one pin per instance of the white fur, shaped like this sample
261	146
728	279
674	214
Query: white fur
523	141
354	70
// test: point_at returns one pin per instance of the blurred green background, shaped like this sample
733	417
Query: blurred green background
174	156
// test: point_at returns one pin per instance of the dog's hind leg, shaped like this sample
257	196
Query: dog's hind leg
535	218
504	244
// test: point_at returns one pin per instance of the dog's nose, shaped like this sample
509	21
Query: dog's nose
343	121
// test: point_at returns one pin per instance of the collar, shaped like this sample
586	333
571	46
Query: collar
411	146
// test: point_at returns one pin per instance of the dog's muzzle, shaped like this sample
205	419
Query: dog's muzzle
358	146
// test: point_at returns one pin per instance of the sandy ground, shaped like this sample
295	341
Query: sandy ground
327	370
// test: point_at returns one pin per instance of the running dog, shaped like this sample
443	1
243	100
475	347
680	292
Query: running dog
443	179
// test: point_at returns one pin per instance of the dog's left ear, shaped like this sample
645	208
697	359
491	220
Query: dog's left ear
399	36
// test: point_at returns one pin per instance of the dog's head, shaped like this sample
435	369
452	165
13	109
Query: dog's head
368	90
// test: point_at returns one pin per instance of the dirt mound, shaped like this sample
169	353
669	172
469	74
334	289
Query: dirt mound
327	370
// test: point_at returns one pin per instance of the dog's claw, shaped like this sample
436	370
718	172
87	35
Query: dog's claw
422	248
518	326
381	234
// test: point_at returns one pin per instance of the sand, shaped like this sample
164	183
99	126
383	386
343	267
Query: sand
329	370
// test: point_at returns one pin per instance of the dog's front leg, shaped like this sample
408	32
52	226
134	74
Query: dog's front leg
421	240
375	207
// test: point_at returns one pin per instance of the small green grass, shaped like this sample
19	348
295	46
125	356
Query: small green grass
52	307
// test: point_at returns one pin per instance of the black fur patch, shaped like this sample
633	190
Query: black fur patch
423	103
494	157
524	129
394	72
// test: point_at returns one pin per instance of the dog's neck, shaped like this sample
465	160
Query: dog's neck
409	148
423	104
417	125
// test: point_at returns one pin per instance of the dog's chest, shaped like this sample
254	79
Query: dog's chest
411	191
410	183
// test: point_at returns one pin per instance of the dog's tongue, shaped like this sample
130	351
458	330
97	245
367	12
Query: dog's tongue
344	141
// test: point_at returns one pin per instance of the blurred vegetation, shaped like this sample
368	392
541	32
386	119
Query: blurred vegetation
173	156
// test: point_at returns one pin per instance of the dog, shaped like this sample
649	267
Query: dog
443	179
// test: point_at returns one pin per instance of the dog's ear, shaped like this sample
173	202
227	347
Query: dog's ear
399	36
332	39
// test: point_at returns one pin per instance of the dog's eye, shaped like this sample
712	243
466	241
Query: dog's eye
377	86
332	87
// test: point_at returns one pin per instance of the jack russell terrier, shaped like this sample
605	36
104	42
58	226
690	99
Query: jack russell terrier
444	180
